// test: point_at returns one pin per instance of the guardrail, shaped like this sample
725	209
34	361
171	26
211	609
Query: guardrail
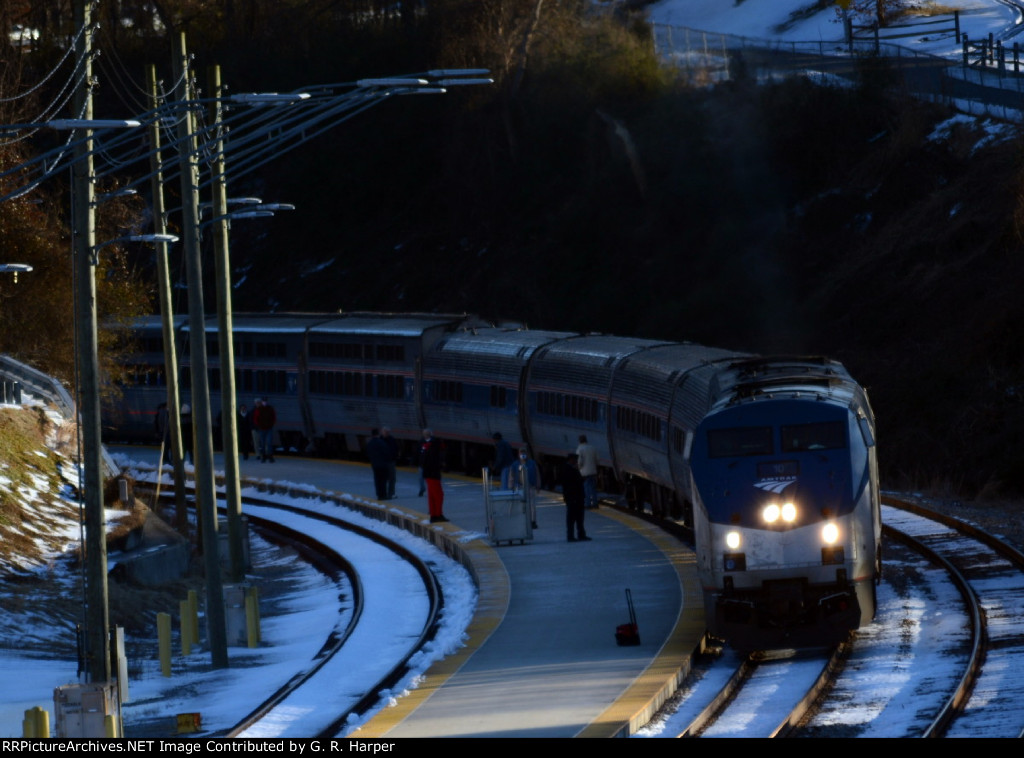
36	383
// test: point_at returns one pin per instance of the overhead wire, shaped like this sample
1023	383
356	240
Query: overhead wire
128	87
57	66
59	101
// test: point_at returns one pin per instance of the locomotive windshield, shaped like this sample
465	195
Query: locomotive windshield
825	435
729	443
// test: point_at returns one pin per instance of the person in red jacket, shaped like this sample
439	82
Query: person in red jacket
264	418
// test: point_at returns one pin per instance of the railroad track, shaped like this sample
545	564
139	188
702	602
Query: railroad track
398	624
941	658
747	706
988	701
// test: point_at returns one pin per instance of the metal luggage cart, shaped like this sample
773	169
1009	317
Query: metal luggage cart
508	512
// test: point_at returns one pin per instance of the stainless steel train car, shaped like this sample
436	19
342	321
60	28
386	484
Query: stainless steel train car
771	461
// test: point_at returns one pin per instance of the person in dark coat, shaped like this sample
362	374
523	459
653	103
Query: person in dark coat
432	461
379	453
503	456
524	476
572	494
243	428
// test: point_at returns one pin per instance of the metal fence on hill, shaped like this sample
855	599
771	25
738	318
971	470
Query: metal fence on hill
987	78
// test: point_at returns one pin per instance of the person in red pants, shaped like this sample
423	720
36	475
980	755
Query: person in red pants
431	462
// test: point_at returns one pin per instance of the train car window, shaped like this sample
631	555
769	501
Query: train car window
499	397
569	406
730	443
394	353
270	350
448	392
638	422
390	386
825	435
271	382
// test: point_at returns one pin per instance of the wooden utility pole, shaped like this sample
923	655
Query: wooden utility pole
225	337
83	223
167	314
205	486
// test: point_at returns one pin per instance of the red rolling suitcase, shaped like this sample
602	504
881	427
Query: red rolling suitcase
628	634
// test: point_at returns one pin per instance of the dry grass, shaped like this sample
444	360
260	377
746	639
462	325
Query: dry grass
38	514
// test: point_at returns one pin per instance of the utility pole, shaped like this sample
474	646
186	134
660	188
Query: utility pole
167	314
225	335
83	224
205	487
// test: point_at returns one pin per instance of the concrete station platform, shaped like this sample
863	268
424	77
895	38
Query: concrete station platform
540	658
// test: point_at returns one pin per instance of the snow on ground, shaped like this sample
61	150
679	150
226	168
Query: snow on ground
224	696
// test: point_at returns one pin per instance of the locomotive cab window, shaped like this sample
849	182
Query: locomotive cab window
729	443
826	435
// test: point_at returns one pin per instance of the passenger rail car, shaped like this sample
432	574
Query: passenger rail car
771	461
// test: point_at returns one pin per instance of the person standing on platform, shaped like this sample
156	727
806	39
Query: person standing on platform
524	475
432	461
379	453
572	495
264	419
587	455
392	443
244	432
503	455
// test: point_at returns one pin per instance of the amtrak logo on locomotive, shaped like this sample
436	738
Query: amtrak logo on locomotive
774	485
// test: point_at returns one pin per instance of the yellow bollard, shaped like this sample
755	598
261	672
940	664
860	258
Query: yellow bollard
111	726
163	628
36	723
193	614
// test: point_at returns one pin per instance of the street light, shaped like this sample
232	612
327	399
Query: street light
164	238
267	98
14	268
67	124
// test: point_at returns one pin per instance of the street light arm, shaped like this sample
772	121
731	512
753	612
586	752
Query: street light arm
154	238
237	215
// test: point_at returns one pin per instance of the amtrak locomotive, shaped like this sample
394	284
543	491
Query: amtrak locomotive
788	520
771	461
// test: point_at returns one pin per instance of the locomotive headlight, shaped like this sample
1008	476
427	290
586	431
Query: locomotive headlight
789	513
771	513
732	540
830	533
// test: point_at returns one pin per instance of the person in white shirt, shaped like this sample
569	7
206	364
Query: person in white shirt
588	470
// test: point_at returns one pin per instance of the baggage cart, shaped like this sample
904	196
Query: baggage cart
508	512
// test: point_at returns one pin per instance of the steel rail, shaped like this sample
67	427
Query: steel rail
979	634
329	560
